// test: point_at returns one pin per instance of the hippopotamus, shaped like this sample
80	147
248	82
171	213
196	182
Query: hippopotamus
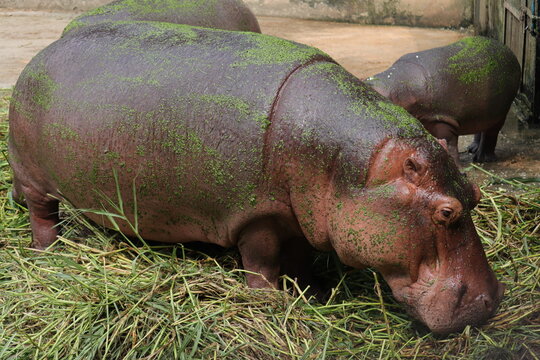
216	14
464	88
243	139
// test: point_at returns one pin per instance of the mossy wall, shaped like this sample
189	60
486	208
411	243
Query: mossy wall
452	13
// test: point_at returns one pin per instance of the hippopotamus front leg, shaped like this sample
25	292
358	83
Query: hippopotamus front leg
483	145
298	267
260	247
269	250
473	147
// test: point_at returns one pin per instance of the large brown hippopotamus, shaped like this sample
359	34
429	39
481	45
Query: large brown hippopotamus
242	139
215	14
464	88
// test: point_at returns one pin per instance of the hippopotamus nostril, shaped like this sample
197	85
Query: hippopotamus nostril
461	290
487	301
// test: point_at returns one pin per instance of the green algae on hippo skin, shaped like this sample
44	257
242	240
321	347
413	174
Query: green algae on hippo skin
141	9
218	14
396	116
45	86
478	60
19	105
60	131
216	170
165	34
268	50
365	102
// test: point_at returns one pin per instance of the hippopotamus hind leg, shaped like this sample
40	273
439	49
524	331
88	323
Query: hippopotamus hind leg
44	218
483	146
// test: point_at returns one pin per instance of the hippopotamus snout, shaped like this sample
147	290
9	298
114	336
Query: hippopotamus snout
453	291
452	304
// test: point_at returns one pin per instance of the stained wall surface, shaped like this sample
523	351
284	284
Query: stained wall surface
440	13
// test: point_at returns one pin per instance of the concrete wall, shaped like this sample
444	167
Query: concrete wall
435	13
439	13
67	5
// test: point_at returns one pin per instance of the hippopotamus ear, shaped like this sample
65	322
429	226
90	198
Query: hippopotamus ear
396	161
413	170
477	194
443	143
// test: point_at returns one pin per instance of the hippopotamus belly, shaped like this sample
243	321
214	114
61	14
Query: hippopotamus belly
181	133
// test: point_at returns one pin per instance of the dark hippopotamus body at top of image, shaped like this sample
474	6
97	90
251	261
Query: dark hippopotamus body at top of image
215	14
464	88
242	139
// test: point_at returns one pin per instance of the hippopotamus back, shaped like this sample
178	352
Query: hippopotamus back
216	14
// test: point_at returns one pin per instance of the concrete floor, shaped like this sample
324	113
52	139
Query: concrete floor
363	50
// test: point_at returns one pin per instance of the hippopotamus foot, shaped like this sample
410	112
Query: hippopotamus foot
44	218
483	146
479	154
484	157
473	147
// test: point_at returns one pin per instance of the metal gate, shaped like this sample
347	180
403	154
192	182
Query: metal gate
520	35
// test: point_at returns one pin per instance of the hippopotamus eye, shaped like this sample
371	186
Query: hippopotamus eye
447	213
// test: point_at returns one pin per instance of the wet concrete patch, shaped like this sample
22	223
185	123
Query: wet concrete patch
518	152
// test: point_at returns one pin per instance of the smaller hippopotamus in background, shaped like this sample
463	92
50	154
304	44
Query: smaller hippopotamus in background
464	88
216	14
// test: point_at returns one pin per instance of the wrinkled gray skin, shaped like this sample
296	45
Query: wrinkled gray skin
463	88
242	139
215	14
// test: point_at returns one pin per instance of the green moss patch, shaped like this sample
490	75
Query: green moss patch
267	50
145	10
42	84
476	60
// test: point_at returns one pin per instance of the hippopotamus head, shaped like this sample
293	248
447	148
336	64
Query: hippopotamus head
412	222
